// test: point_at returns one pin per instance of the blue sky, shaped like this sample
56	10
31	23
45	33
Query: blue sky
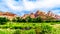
21	7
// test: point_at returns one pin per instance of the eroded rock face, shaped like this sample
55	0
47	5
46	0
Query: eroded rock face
50	14
57	17
25	15
42	14
32	15
39	13
1	13
7	14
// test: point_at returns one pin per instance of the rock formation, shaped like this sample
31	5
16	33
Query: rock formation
7	15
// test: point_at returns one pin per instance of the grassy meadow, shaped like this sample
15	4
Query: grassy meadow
30	28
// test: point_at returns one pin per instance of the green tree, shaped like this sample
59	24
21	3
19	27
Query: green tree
14	20
38	19
3	20
28	19
18	19
50	19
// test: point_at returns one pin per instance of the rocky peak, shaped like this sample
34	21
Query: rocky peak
42	14
39	13
50	14
32	15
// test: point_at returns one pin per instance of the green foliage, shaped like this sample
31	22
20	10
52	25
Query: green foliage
3	20
34	20
18	19
46	29
38	19
24	28
32	32
14	20
17	31
28	19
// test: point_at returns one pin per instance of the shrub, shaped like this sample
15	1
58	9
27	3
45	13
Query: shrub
3	20
28	28
46	29
38	19
18	19
14	20
28	19
31	32
17	32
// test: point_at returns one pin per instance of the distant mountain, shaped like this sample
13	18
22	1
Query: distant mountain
42	14
7	15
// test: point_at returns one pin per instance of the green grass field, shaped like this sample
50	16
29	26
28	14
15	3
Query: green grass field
30	28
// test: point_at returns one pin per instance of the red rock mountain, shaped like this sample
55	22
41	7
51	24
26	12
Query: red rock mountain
25	15
42	14
7	15
51	14
39	13
32	15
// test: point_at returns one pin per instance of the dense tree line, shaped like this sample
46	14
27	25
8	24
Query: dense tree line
4	20
28	19
37	19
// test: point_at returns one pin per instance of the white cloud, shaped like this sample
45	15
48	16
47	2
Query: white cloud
28	5
11	5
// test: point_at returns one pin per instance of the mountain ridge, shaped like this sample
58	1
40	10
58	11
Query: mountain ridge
42	14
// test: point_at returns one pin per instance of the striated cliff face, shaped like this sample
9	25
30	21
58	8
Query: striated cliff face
7	15
57	17
25	15
43	15
32	15
39	13
51	14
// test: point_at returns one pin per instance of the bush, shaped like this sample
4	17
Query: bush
28	28
28	19
14	20
3	20
17	32
46	29
38	19
32	32
18	19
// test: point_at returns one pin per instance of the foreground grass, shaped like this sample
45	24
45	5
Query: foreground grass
30	28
